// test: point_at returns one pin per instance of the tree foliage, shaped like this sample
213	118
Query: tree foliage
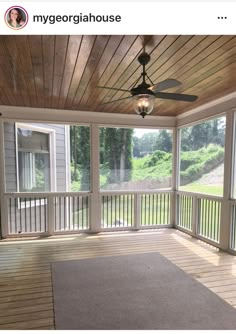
201	135
117	153
80	155
151	142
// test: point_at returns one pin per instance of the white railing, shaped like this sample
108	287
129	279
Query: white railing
46	213
199	215
136	210
52	213
185	211
117	210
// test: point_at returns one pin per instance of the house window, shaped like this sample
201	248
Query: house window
33	149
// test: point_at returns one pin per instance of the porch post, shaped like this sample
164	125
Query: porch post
225	209
175	176
95	213
3	200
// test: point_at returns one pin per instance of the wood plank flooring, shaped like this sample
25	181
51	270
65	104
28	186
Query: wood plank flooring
25	274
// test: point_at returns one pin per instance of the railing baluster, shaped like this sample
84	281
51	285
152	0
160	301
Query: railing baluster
78	212
73	213
20	218
233	228
59	213
30	216
10	214
82	210
56	213
25	220
65	216
16	202
164	208
169	197
219	208
189	212
87	212
40	216
212	222
186	212
69	198
132	210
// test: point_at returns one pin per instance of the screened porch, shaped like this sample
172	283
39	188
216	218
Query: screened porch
82	176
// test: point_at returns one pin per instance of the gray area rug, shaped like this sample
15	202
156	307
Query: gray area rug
143	291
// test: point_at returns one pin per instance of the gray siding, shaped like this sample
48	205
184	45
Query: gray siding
10	155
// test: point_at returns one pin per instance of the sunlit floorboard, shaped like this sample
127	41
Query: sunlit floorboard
25	274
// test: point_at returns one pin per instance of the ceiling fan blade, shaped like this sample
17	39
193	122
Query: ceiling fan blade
163	85
122	90
177	97
124	98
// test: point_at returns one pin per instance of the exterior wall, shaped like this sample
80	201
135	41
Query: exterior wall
10	156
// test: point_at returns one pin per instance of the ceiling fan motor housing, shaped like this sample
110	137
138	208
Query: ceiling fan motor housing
144	58
143	88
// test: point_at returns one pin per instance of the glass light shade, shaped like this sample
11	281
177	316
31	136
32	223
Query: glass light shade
143	104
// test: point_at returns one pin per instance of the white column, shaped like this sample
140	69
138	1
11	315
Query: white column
3	200
95	213
175	176
225	209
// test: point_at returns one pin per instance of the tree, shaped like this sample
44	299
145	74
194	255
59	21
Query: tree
80	155
203	134
147	143
164	141
118	153
74	134
102	145
84	157
136	147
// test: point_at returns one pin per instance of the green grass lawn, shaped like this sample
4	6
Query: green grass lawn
120	211
203	189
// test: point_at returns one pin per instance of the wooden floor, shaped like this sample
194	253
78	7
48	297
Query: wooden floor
25	275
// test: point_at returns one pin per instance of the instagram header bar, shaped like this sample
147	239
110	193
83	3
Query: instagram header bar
59	18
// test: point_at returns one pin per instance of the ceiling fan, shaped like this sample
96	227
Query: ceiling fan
144	94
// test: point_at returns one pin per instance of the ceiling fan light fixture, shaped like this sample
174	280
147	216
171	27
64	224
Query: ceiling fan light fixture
143	104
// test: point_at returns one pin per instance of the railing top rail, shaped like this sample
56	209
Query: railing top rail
140	192
200	196
46	194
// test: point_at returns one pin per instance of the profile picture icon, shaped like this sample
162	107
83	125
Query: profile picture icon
16	17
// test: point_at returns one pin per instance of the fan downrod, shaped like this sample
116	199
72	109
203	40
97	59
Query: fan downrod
144	58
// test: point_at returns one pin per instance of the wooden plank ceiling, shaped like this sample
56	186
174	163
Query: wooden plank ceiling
63	72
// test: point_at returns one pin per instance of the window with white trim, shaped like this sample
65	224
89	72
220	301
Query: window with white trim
34	168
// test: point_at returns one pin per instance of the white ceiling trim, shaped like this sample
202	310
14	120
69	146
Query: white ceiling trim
208	105
73	116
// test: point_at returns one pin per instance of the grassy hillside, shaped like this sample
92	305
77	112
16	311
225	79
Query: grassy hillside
194	164
154	166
